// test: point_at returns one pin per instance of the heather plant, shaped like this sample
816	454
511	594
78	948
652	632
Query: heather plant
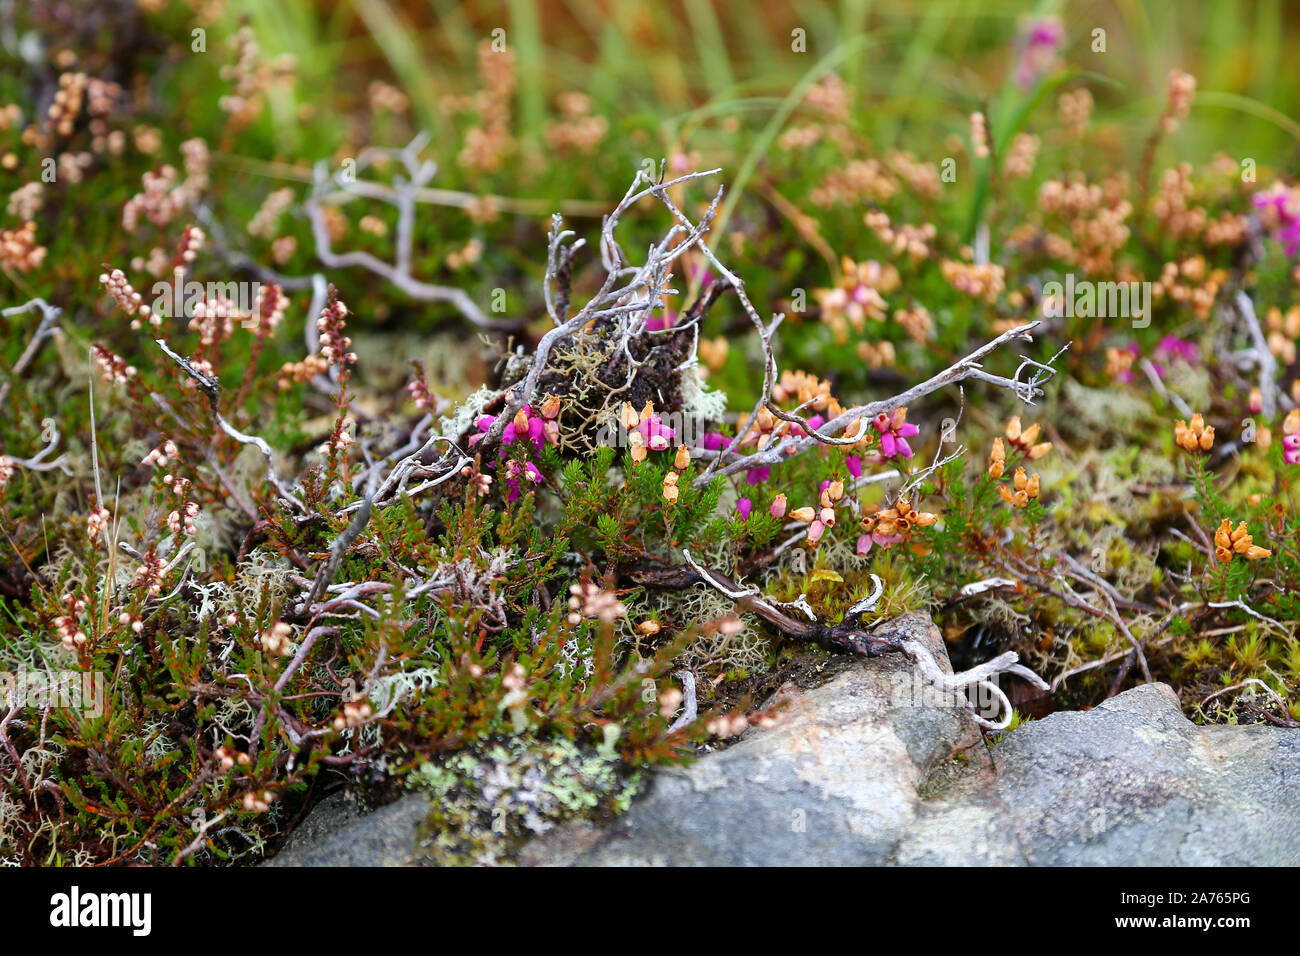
332	458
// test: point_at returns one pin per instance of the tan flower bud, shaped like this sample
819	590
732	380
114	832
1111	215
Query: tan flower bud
803	514
683	457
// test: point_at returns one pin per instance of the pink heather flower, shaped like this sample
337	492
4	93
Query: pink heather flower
700	272
814	423
657	323
1125	375
815	530
1291	449
744	506
893	437
854	464
865	541
540	431
756	475
1174	347
778	506
1287	228
714	441
1039	44
658	436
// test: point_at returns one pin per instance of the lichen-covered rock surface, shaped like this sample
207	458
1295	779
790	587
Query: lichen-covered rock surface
867	769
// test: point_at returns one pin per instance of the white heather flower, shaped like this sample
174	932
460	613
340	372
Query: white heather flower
96	522
276	640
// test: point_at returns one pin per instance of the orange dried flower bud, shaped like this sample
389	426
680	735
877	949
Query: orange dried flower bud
803	514
683	457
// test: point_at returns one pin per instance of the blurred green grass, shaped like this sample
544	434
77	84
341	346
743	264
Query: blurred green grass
917	68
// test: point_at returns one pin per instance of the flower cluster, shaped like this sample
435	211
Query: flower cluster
1181	91
1280	209
276	640
590	600
1291	437
1197	436
646	431
71	636
892	526
1023	489
355	713
536	428
984	282
894	431
858	297
1026	440
1039	45
1229	541
680	461
18	248
817	519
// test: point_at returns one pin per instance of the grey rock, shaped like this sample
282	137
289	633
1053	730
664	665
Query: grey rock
335	833
866	769
854	773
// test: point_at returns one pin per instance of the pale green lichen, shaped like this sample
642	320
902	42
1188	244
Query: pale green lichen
488	800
